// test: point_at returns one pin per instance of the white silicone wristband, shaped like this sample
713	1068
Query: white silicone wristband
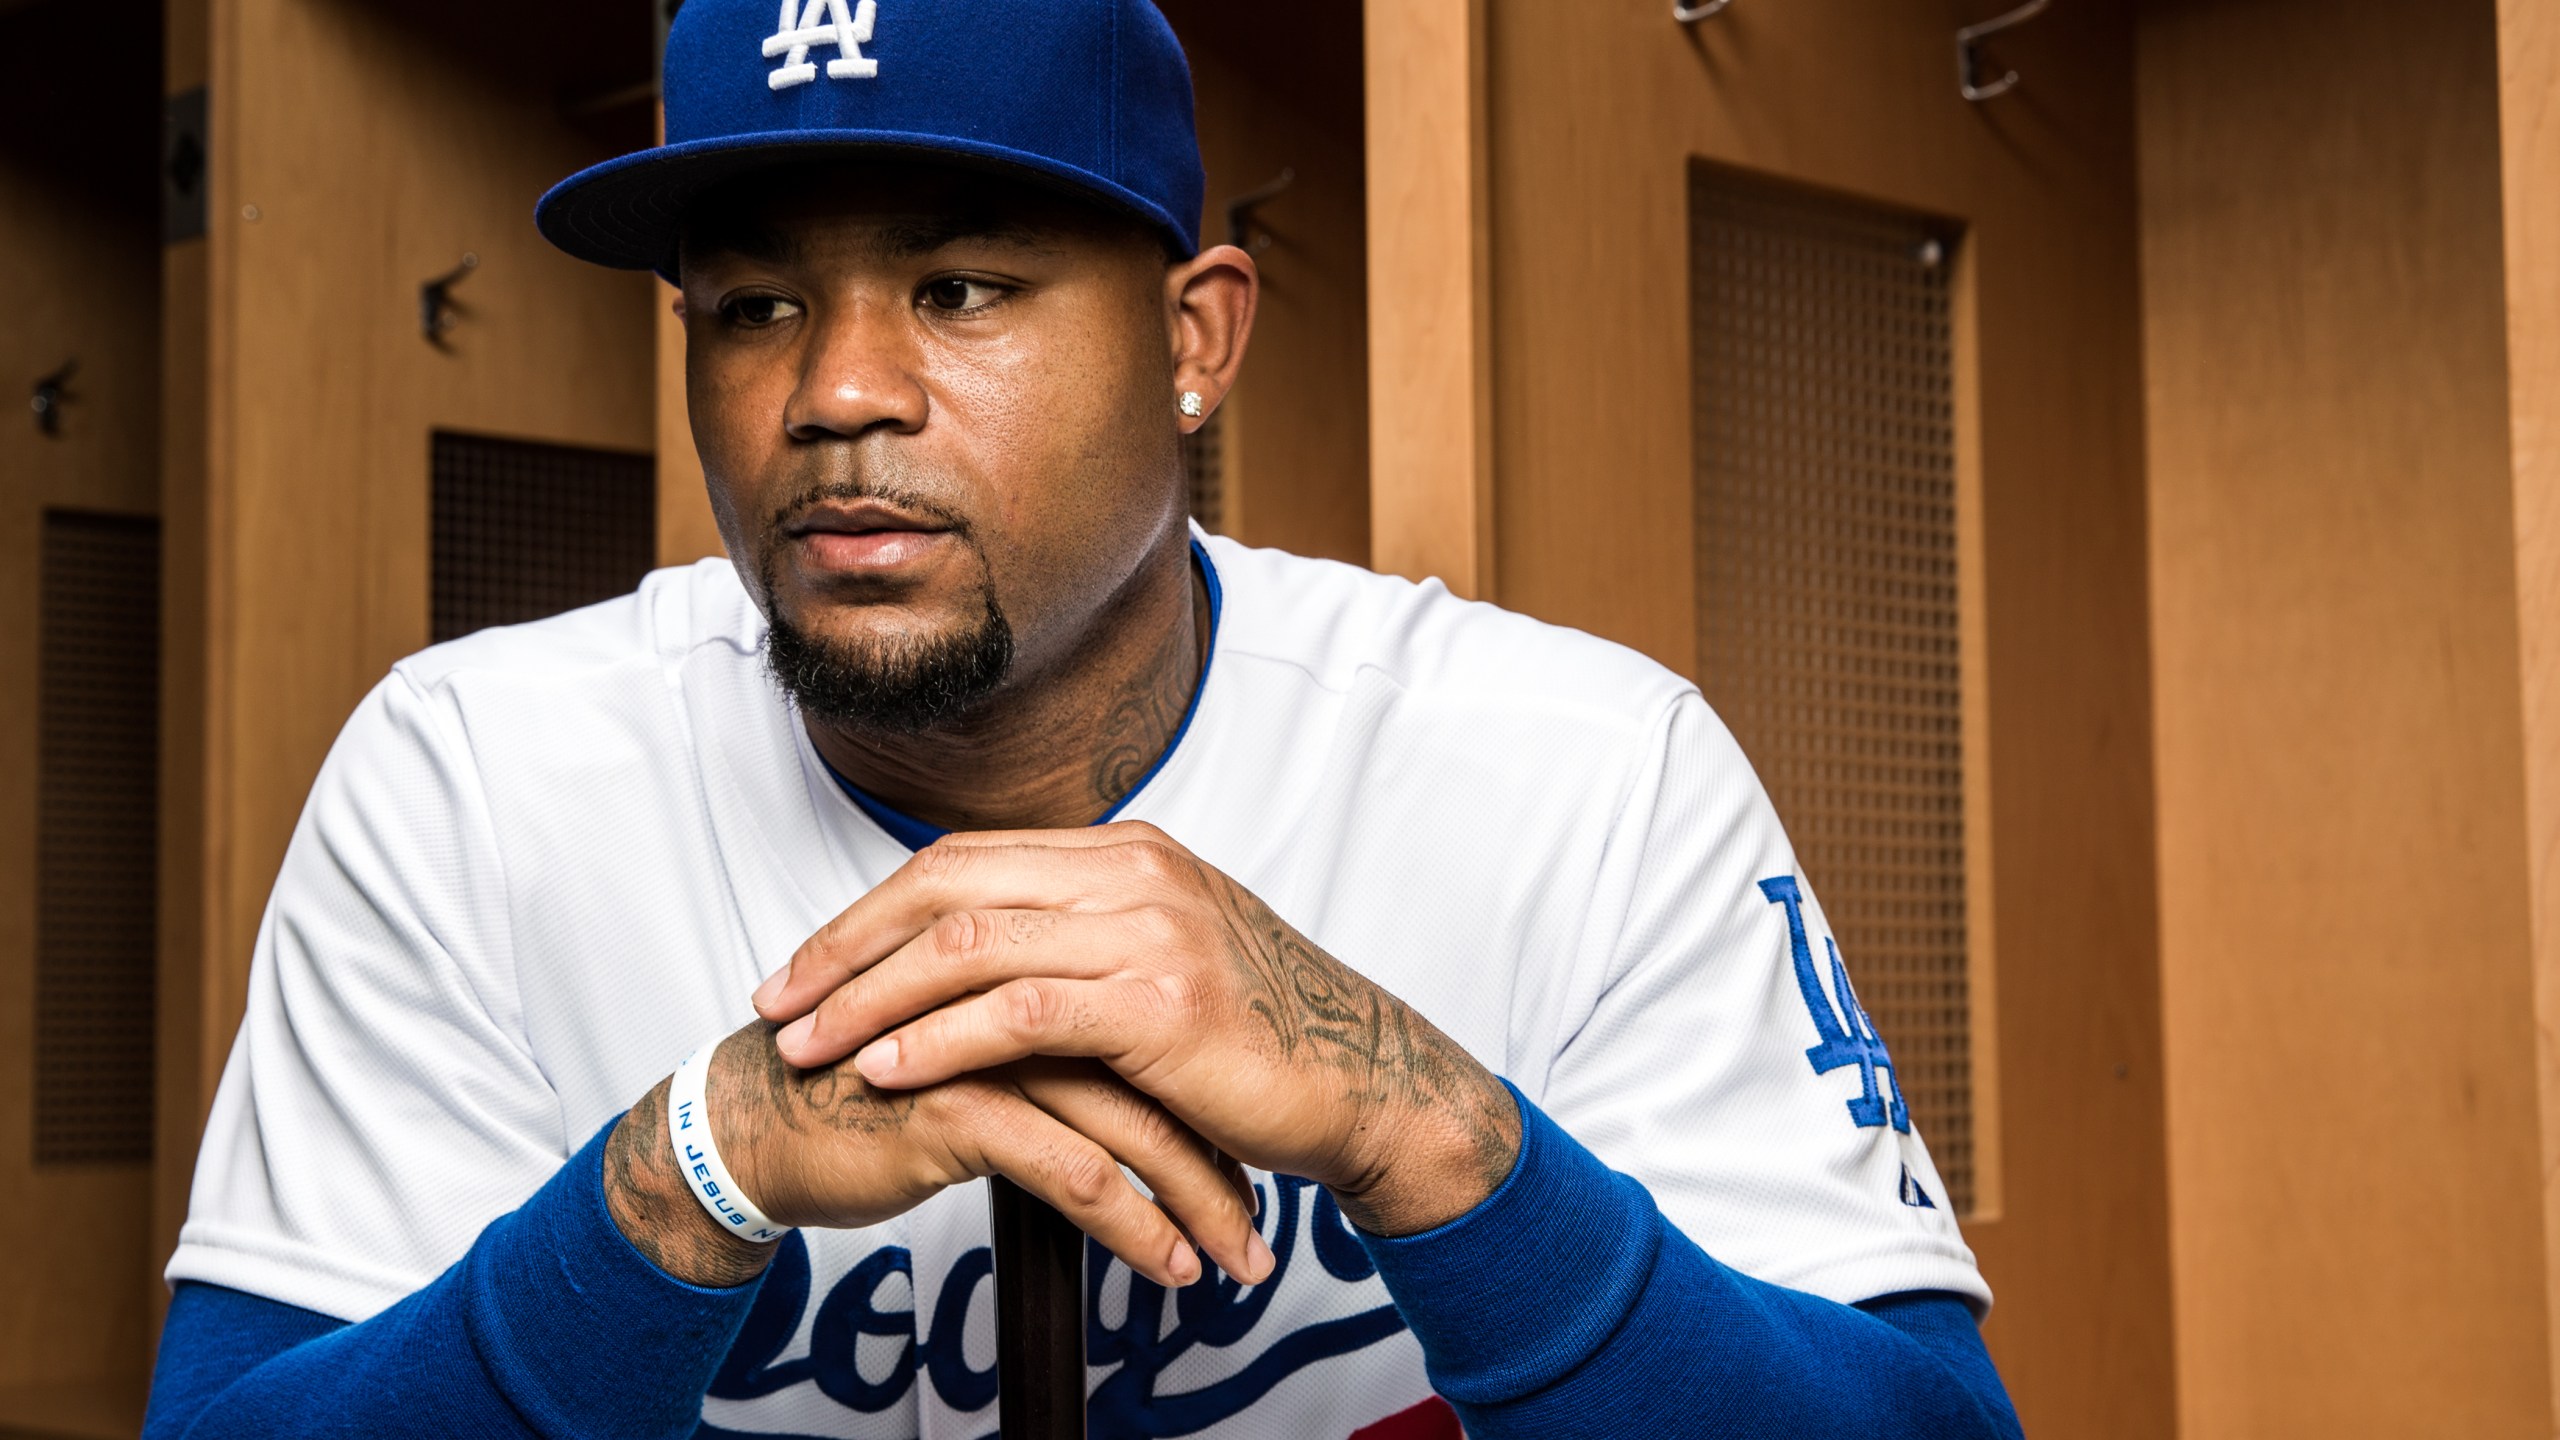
689	1130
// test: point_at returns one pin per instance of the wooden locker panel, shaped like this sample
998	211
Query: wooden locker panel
359	150
79	282
2346	462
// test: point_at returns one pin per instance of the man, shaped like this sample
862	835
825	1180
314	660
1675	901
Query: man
1089	842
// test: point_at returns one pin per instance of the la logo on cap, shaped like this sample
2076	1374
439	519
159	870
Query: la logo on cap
823	22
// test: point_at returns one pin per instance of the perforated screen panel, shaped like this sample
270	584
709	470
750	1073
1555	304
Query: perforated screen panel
1204	456
524	530
1828	621
97	830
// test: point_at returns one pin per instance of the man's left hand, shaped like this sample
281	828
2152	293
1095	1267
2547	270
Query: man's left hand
1117	943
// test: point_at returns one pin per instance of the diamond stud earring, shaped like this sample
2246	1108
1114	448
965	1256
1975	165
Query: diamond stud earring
1193	407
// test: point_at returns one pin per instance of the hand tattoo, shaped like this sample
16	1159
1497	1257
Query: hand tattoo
1399	1066
763	1089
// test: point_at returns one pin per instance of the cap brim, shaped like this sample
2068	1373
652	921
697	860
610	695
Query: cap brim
627	212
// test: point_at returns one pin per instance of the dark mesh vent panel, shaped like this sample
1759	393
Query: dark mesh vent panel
1827	593
97	829
524	530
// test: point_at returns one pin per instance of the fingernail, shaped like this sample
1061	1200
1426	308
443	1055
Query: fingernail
796	1034
1184	1265
771	989
878	1060
1257	1253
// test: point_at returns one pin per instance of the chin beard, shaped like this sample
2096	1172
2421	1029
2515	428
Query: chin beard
902	687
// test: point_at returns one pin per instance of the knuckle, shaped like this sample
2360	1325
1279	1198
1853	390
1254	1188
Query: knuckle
1085	1177
1150	1131
836	1011
939	860
966	934
1154	859
816	952
1177	994
1030	1006
1162	927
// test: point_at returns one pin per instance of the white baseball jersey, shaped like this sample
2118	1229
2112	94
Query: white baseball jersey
544	863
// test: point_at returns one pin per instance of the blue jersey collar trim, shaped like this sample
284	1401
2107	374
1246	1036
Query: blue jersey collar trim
916	834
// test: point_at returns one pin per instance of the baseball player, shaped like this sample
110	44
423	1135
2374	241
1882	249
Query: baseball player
1419	1006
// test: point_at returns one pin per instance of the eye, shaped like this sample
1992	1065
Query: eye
753	312
958	294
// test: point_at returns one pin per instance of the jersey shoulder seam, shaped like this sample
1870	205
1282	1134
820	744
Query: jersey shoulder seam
1590	950
457	741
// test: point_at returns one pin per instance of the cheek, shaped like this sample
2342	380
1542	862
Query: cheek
1059	430
734	407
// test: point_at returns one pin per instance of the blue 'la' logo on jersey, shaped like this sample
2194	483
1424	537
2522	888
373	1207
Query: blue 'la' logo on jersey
1848	1036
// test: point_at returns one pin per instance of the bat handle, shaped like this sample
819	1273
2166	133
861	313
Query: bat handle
1039	1257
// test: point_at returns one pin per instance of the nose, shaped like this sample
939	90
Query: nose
859	375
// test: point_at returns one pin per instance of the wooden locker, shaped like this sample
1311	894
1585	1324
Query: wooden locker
80	234
359	151
1535	403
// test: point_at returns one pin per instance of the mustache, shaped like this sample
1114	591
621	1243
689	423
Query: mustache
914	500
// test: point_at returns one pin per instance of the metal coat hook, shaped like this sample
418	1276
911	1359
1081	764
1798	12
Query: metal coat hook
51	392
1242	230
1692	14
1969	52
436	307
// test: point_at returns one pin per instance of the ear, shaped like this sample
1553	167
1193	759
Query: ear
1210	300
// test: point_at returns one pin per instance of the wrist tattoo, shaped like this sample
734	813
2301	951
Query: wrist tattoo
756	1096
655	1210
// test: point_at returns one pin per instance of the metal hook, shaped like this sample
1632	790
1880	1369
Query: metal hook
51	391
1692	14
1969	52
435	300
1241	213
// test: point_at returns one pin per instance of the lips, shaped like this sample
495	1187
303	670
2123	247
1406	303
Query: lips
865	536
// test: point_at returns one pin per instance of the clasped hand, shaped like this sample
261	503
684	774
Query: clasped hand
1049	1005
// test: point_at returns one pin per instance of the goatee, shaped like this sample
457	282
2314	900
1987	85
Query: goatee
902	687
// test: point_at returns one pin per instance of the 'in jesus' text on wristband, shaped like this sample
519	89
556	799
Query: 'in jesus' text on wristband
689	1130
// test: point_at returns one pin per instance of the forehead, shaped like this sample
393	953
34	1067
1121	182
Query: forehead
890	209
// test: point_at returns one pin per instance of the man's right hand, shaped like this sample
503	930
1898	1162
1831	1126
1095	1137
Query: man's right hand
823	1148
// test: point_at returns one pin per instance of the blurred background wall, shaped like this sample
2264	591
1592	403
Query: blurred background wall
2116	509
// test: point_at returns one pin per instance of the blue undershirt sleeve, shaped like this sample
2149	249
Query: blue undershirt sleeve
552	1324
1615	1323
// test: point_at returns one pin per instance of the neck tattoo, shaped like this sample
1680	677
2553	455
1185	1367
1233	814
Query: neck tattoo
1142	720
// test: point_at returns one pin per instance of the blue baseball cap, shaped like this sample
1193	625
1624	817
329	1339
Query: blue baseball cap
1089	96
